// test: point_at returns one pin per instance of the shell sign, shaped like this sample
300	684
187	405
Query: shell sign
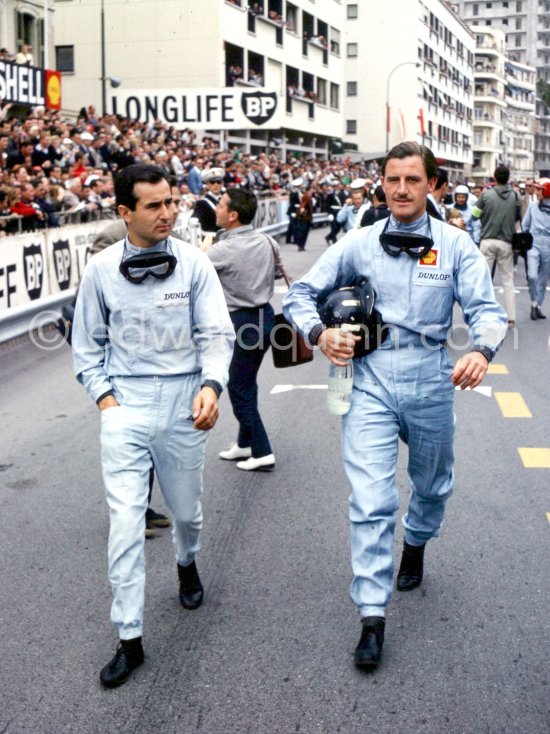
53	90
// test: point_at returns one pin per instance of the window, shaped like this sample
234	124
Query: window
505	4
334	96
353	11
351	50
351	89
335	41
475	9
518	7
505	21
518	41
488	5
488	22
518	24
351	127
321	91
64	58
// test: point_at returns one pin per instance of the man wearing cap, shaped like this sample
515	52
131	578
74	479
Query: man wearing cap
293	207
205	208
418	267
351	213
152	343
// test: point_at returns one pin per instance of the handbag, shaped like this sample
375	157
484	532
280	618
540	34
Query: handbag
288	346
521	242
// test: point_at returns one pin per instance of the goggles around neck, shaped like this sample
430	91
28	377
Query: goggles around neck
136	268
415	245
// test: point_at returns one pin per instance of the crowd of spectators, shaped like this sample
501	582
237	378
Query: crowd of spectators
55	170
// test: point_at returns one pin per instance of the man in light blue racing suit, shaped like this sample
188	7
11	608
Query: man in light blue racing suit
418	267
152	343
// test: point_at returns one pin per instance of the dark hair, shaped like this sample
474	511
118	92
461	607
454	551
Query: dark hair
404	150
502	174
128	177
380	194
442	178
243	202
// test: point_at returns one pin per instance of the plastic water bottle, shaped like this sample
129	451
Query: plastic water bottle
340	383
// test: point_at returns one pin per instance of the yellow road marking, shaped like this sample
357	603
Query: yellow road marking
548	516
512	405
497	369
535	458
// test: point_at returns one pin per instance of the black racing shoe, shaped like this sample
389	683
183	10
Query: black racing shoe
534	313
129	656
191	590
156	519
540	315
369	650
411	569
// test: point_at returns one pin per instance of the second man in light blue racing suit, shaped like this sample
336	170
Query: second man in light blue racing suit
405	388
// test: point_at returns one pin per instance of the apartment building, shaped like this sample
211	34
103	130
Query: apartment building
268	74
504	123
526	28
409	75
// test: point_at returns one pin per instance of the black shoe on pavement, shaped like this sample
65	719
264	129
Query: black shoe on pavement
156	519
540	315
129	656
534	314
411	568
191	590
368	651
149	530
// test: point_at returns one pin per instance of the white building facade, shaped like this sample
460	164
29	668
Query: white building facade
526	28
409	76
175	59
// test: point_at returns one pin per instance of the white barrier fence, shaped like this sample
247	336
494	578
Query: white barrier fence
40	271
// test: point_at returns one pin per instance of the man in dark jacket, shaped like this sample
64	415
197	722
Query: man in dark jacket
499	210
205	208
378	210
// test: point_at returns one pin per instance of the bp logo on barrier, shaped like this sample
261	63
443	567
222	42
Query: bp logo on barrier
62	263
259	107
33	267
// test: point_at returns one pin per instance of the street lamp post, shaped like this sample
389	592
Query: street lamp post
404	63
103	77
114	81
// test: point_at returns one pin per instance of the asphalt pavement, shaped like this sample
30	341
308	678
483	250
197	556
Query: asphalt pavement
270	651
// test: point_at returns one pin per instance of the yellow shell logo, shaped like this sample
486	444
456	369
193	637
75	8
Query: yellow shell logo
54	90
430	258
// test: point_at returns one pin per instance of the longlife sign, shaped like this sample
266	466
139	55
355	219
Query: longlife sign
202	109
30	85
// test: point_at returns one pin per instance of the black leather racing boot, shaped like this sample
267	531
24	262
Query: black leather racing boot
368	651
191	590
129	656
411	568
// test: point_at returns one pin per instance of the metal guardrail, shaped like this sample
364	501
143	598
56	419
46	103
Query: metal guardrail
28	319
